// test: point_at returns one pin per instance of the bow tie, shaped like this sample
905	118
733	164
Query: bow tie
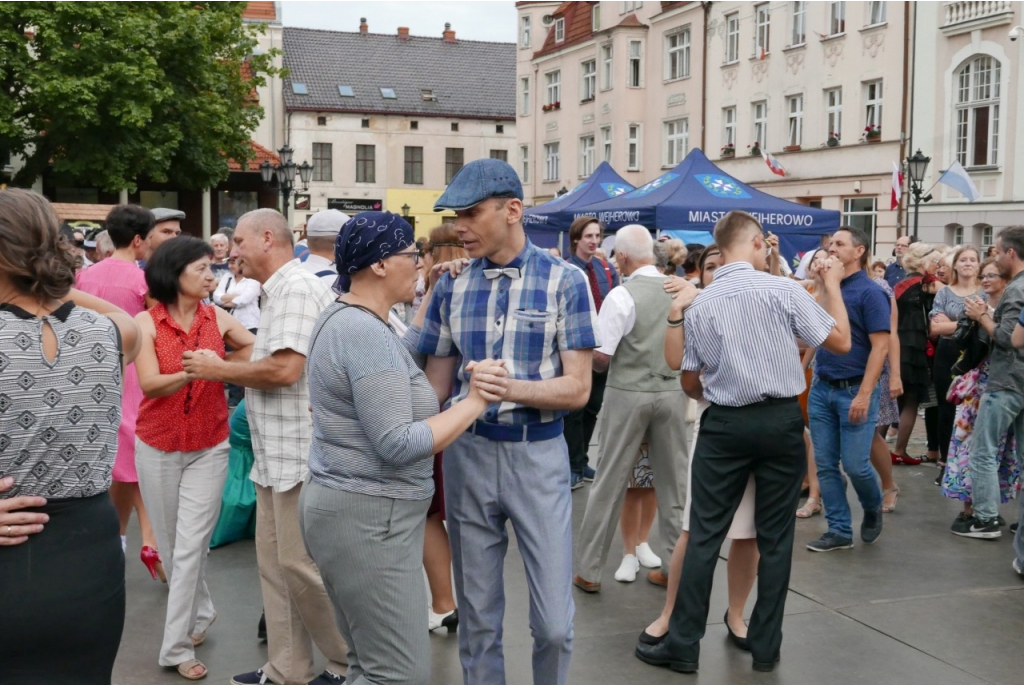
512	272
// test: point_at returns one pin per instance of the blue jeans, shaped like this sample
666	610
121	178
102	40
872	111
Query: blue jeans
836	440
999	409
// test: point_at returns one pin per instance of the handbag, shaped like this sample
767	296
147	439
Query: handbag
973	349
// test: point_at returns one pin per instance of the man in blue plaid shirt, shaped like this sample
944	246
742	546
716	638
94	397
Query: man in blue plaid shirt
517	303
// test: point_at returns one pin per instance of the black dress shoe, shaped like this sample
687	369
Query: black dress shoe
766	666
648	639
740	642
658	655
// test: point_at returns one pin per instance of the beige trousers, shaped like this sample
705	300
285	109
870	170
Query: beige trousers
297	607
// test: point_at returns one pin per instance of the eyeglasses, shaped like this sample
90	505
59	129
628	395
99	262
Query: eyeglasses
415	256
986	277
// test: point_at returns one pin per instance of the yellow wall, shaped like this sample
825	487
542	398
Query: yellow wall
421	206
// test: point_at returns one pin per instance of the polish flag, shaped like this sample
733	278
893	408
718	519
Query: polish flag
897	186
773	163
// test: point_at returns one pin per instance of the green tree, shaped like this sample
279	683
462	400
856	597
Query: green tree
106	93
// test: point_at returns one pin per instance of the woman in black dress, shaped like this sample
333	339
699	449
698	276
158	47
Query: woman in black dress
61	564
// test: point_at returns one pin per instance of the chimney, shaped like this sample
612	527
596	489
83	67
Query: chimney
403	33
448	36
364	28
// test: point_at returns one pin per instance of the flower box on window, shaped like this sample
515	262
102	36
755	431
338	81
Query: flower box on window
728	151
791	148
833	139
872	133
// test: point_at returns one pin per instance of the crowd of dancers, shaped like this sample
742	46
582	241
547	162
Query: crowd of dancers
371	407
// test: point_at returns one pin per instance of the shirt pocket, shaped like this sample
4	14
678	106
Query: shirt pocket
533	334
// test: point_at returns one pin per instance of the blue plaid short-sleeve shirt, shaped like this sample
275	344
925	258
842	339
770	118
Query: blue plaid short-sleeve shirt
526	321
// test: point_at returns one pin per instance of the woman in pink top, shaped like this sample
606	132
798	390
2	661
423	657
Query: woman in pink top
120	281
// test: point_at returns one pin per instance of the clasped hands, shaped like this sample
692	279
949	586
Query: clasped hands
827	271
489	379
975	308
201	365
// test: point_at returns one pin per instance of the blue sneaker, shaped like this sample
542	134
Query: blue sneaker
830	542
588	474
575	480
257	677
871	528
328	678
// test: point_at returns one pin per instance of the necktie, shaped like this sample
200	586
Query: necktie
510	271
594	287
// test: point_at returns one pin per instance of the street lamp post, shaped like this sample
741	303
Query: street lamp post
284	174
917	165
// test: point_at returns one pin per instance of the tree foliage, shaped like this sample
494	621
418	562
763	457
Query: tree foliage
107	93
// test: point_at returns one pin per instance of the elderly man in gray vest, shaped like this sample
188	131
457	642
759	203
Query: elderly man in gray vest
643	397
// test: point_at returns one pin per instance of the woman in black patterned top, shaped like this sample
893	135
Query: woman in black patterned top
61	564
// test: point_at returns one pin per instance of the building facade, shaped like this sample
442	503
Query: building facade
820	85
387	120
605	81
967	107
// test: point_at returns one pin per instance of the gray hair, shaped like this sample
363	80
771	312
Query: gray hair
635	242
218	237
104	243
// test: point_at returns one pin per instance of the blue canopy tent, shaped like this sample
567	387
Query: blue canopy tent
696	194
544	222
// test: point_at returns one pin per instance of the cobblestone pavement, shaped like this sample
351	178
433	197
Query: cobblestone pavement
921	606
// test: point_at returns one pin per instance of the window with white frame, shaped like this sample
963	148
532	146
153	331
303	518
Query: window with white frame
553	92
559	29
732	37
635	78
762	29
836	18
987	239
552	172
876	15
589	86
524	96
834	112
586	156
795	110
524	31
524	163
606	143
729	127
677	48
760	123
631	6
873	104
595	17
956	234
799	34
977	112
607	66
677	140
862	213
633	147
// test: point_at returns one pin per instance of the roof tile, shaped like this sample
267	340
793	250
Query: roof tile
470	79
262	155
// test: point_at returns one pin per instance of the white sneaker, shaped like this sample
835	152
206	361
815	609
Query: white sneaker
627	569
646	556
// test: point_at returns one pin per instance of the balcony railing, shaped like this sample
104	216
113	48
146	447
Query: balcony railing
978	11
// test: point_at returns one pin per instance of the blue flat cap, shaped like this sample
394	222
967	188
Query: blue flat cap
477	181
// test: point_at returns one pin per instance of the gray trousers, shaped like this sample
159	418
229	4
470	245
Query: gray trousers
182	493
370	554
627	417
486	484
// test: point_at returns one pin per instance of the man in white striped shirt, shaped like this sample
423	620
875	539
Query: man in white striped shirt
740	335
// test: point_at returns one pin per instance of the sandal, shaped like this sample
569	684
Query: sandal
185	670
200	638
811	507
889	508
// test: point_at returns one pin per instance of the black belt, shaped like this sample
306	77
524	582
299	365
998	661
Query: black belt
503	432
845	382
761	403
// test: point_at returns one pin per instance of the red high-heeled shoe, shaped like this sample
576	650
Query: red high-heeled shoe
151	558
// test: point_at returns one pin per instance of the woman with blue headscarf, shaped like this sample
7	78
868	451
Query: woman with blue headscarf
376	427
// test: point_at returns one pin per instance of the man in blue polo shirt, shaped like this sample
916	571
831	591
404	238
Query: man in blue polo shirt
518	303
843	402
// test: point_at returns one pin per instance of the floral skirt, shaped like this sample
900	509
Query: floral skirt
966	391
888	409
642	476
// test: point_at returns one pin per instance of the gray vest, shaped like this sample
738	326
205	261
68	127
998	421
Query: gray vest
639	361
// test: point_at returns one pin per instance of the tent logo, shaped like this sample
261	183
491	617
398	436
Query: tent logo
722	186
615	189
655	184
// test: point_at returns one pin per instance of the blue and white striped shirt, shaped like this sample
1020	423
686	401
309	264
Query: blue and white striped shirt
526	321
741	331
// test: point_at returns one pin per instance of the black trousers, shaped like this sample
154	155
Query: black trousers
765	439
946	355
579	424
63	597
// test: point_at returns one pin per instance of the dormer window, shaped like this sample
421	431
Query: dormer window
559	29
428	95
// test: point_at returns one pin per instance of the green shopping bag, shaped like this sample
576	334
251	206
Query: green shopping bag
238	503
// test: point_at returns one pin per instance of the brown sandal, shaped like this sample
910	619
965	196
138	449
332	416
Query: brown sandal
889	508
185	669
811	507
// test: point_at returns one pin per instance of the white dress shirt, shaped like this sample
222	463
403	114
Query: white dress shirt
316	265
247	298
618	312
